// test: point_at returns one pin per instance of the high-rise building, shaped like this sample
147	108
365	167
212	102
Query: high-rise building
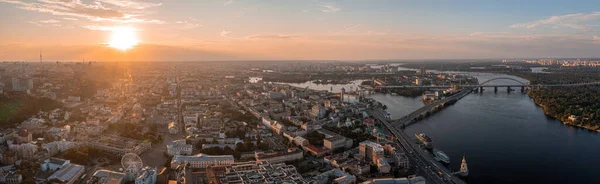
423	71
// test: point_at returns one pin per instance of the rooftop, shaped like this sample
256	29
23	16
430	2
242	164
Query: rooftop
201	157
67	173
107	177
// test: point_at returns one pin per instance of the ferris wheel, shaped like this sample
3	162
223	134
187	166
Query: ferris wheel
132	163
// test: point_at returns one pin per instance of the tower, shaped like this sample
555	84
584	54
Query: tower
342	94
41	56
464	171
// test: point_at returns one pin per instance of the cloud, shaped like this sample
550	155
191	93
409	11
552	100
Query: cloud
95	11
49	21
581	21
130	4
328	7
596	38
488	33
225	33
227	2
188	25
271	37
67	18
97	28
351	27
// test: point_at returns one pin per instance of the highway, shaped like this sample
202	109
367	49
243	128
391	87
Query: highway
424	163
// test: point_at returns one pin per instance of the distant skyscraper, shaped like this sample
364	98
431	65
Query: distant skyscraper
342	94
423	71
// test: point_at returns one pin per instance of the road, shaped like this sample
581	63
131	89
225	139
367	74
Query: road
425	165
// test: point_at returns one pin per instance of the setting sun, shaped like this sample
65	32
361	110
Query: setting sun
123	38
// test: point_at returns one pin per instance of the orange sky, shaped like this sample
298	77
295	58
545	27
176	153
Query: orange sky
70	30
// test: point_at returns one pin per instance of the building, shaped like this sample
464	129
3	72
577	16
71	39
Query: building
173	129
337	175
371	151
222	146
414	180
375	154
120	145
365	149
383	166
24	136
316	151
56	147
53	164
202	160
147	175
334	143
67	174
300	141
318	111
419	82
24	84
107	177
255	172
279	157
179	147
9	175
27	150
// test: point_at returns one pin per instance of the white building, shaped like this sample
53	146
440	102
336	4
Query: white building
179	147
56	147
53	164
202	160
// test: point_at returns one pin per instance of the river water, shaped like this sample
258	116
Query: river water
506	138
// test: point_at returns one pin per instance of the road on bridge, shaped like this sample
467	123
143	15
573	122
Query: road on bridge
425	165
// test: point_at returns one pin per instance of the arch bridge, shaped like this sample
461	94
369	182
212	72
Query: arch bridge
480	86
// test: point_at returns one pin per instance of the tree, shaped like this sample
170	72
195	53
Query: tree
263	146
374	169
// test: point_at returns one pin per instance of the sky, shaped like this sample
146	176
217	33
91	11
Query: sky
198	30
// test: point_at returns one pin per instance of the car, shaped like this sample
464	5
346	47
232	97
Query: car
440	173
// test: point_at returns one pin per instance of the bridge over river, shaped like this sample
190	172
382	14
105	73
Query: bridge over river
486	84
423	162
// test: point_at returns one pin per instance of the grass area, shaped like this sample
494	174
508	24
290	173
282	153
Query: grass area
9	109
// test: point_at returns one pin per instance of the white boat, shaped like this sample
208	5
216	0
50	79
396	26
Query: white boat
440	156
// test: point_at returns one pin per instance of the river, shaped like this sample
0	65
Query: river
506	138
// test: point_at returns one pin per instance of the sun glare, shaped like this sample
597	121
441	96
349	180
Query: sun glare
123	38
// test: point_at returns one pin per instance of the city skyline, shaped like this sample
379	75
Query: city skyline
127	30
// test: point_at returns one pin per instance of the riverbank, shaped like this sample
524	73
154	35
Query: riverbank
563	121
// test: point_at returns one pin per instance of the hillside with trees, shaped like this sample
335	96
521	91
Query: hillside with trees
16	107
562	102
